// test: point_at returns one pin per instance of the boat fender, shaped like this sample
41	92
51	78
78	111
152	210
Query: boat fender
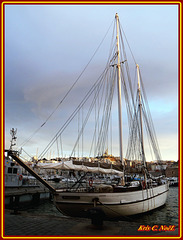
143	184
90	182
20	177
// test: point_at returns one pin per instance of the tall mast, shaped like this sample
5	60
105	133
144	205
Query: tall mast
119	93
141	125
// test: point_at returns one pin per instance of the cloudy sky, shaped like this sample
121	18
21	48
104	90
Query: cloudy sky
48	46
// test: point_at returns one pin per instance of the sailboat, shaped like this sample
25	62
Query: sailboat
116	201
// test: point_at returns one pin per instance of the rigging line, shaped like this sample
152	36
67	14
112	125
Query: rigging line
57	148
99	80
67	122
112	53
26	153
61	146
102	126
130	106
128	91
78	130
133	144
97	131
135	130
126	66
96	121
101	137
87	117
82	133
107	117
151	137
150	121
106	128
26	141
107	145
109	128
23	158
111	133
95	137
131	134
83	126
127	43
149	140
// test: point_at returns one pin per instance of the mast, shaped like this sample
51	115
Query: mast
141	125
119	95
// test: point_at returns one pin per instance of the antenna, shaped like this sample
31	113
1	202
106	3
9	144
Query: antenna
13	138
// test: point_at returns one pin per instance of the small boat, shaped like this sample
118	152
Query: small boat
123	199
14	176
13	173
54	178
173	181
20	189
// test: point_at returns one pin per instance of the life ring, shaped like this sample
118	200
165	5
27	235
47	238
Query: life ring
20	177
90	182
143	184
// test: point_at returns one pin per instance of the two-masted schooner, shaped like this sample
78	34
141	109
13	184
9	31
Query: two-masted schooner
122	199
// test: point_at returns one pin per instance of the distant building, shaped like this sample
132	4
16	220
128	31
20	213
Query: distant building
158	167
172	172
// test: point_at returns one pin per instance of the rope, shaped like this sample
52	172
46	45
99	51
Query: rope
127	218
26	153
127	43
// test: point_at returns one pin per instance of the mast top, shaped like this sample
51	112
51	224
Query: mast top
116	16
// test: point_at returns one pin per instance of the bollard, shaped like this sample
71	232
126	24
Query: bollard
97	216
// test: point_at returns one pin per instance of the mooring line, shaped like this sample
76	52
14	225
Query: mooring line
128	218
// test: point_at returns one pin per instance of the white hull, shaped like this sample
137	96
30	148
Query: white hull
114	205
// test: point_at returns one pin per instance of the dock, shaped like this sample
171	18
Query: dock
16	196
47	225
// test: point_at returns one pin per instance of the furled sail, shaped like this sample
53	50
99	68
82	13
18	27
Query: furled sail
85	167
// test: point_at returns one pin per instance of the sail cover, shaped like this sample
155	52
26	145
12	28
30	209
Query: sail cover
85	167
